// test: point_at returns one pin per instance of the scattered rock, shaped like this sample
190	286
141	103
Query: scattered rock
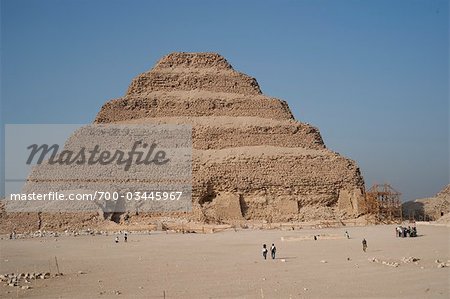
14	280
323	261
410	259
391	264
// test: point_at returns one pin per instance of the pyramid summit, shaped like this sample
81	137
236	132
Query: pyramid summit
193	60
193	71
193	84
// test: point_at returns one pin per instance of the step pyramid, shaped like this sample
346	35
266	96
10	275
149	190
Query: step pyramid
251	158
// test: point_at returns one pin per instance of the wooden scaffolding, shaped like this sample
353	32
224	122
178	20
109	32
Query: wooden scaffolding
384	202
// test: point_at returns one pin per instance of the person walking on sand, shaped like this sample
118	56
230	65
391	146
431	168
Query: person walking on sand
264	251
125	237
364	244
347	235
273	250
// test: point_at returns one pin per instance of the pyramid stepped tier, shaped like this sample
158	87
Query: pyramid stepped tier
251	159
230	81
218	132
192	103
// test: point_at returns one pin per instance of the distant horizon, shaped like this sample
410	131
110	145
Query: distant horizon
372	76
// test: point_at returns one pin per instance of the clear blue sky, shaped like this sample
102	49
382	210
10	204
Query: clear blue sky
372	75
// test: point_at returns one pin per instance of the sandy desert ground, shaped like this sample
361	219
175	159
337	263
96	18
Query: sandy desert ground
229	265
